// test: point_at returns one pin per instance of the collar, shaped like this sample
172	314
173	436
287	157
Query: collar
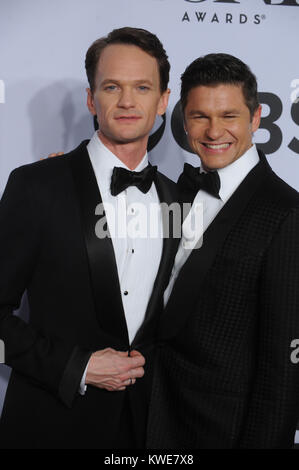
232	175
103	162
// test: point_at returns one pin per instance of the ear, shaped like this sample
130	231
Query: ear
184	125
163	102
90	102
256	119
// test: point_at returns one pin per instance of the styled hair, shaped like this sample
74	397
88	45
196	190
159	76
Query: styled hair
147	41
216	69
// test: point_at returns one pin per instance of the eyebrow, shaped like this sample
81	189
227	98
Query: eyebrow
118	82
232	111
195	112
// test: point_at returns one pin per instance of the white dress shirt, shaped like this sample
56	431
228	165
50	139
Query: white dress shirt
207	207
137	254
137	237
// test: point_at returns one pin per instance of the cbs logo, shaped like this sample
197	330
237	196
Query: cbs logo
268	122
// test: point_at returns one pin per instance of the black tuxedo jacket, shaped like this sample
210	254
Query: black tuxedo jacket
49	247
223	375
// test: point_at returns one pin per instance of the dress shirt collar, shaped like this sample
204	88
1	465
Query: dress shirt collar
232	175
103	162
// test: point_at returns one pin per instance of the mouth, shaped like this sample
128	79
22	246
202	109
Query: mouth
127	118
217	148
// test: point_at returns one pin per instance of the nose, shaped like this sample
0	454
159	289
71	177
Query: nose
214	129
126	98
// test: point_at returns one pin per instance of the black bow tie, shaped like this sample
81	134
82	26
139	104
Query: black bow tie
122	179
191	180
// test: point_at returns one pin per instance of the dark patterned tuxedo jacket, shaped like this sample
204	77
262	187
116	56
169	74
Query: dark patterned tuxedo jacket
49	247
223	373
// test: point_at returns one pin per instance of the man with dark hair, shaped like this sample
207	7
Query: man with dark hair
65	237
224	375
141	38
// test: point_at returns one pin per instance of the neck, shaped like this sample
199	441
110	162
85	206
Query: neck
130	153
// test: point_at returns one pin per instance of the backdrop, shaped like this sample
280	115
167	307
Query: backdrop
42	77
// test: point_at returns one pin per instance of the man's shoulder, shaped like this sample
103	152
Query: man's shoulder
170	185
48	168
273	188
166	180
281	192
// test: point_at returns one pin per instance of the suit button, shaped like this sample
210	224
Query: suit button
126	292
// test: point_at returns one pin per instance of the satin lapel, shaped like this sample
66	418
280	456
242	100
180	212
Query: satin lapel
185	291
170	244
100	253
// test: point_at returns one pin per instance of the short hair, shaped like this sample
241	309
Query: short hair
142	38
216	69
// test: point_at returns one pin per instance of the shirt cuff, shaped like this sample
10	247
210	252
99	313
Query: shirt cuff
83	387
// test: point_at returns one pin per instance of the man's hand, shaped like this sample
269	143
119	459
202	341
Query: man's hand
51	155
114	370
58	154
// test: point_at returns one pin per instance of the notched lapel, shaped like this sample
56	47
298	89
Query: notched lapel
187	286
100	253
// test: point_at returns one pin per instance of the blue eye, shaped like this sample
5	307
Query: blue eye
110	87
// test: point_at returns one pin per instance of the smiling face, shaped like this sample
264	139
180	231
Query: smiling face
127	95
218	124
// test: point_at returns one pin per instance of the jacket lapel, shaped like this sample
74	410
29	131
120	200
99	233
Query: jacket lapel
185	290
167	195
100	253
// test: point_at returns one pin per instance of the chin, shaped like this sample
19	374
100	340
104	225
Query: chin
215	165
